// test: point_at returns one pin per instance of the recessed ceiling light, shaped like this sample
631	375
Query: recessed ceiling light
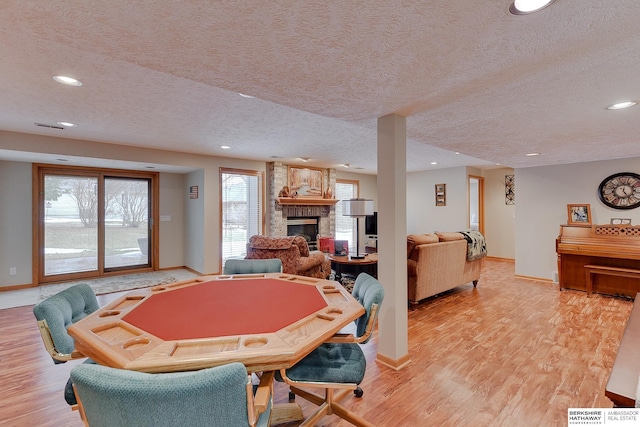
69	81
246	96
532	154
434	163
225	147
67	124
621	105
457	152
524	7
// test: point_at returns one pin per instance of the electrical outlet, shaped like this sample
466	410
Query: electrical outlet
12	271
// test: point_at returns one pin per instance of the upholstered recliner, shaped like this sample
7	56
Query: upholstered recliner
294	253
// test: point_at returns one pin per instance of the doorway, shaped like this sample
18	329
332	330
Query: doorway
476	203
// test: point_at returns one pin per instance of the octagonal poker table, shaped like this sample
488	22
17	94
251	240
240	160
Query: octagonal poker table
265	321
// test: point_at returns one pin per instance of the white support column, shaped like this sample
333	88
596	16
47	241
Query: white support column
393	340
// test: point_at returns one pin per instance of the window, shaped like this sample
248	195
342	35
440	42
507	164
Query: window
242	207
345	225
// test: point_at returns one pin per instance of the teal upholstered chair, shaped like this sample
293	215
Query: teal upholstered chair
219	396
252	266
54	315
338	366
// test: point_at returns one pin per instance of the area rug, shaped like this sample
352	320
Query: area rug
346	280
107	285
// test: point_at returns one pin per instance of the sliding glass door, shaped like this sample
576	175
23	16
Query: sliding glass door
126	222
70	224
92	222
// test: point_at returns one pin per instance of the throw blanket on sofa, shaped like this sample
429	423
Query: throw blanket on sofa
476	245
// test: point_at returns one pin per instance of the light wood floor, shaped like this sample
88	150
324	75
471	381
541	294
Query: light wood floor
512	352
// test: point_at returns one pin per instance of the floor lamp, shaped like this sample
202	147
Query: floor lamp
357	208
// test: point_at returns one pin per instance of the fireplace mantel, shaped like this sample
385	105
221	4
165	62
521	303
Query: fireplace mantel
306	201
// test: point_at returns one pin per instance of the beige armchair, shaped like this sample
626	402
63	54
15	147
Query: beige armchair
294	253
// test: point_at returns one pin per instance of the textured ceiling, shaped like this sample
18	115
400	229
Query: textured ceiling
469	77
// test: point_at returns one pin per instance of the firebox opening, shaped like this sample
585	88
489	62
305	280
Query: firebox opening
305	226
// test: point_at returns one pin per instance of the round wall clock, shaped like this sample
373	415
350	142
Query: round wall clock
620	190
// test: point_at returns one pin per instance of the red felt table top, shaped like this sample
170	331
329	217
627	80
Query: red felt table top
225	308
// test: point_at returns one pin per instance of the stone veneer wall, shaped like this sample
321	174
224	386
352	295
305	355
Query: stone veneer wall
276	179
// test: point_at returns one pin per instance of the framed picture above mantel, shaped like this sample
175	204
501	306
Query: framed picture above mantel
305	182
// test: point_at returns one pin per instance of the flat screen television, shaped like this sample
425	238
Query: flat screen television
371	224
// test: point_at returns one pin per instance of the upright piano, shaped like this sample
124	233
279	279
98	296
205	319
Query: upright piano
603	257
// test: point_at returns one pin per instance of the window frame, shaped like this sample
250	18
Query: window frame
261	187
356	189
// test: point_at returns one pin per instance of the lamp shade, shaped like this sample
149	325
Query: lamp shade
357	207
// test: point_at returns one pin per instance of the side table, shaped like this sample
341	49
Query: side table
342	264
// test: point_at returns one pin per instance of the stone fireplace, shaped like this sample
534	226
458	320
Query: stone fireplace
300	208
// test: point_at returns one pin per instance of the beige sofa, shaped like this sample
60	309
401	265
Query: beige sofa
438	262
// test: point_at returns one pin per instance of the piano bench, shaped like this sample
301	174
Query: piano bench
608	271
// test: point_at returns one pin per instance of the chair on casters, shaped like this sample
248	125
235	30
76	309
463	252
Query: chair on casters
54	315
219	396
338	366
252	266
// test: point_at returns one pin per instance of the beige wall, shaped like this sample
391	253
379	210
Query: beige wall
542	195
15	222
423	216
525	232
499	218
191	238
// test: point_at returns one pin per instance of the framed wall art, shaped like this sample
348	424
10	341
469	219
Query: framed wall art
620	221
579	214
509	190
441	194
305	182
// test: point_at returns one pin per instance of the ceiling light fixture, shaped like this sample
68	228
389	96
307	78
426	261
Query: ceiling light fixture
225	147
67	124
621	105
434	163
69	81
532	154
524	7
246	96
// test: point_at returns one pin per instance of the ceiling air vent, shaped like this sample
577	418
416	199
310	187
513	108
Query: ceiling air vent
43	125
